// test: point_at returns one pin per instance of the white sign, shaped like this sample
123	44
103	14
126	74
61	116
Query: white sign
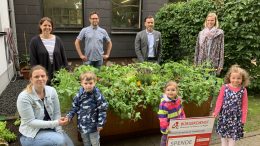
191	126
182	141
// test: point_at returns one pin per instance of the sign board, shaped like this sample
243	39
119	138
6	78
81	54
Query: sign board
190	131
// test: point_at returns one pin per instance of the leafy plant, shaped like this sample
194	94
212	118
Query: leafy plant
136	86
25	58
241	23
5	133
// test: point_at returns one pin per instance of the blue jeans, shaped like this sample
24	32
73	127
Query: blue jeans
90	139
96	64
47	138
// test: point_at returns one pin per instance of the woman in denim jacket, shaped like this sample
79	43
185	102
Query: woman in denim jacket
39	109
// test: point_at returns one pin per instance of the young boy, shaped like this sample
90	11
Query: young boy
90	106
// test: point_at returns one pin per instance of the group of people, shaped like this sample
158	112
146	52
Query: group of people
39	108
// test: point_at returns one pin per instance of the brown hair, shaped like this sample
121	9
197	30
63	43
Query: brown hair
171	83
87	76
92	13
211	14
237	69
45	19
148	17
36	67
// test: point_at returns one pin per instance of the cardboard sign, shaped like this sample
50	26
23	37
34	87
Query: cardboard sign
190	131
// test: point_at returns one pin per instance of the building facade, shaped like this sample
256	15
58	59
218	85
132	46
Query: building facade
121	18
7	44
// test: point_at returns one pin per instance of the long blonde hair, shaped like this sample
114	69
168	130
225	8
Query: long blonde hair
211	14
37	67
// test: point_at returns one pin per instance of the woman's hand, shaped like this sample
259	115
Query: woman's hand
63	121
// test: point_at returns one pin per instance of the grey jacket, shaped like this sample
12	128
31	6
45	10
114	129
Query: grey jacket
31	111
141	45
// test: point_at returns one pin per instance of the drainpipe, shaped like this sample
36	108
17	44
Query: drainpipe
13	26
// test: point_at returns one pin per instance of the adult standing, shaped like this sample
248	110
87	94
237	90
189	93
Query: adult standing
148	42
210	44
94	37
39	109
47	49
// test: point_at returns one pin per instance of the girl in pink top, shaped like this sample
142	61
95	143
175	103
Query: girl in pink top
231	106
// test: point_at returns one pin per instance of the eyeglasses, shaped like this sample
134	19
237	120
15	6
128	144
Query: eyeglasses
94	18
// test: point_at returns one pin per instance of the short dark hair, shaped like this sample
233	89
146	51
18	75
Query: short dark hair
148	17
92	13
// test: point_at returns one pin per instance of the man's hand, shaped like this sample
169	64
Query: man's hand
105	56
83	57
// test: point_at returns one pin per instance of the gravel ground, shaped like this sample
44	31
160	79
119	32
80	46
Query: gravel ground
9	96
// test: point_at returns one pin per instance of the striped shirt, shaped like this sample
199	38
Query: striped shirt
49	45
169	109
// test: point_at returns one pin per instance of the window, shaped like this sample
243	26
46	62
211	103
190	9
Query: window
64	13
126	15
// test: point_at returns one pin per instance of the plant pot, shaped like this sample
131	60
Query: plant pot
117	128
25	71
192	109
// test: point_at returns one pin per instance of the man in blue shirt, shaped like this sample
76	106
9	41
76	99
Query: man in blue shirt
94	37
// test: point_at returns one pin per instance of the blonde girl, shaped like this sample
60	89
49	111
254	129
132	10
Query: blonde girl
169	108
231	106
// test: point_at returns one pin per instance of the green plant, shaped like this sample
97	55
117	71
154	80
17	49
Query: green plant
25	58
5	133
17	122
241	23
136	86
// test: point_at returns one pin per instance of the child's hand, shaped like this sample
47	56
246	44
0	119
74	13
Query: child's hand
99	129
62	121
214	115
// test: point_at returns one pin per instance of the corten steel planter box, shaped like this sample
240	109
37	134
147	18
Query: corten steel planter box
191	109
117	128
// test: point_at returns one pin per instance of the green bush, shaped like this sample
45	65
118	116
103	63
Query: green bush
129	88
241	24
5	133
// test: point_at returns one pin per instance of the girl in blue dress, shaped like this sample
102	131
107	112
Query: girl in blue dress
232	105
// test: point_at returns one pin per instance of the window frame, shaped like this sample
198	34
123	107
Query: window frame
115	30
67	29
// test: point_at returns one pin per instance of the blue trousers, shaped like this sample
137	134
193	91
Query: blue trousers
47	138
96	64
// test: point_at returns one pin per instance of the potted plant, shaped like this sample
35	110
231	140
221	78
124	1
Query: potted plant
25	60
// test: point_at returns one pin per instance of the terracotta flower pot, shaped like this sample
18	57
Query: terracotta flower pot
25	71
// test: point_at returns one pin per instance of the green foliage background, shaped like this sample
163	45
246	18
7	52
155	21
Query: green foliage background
181	22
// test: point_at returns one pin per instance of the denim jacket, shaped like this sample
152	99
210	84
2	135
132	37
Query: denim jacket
31	111
91	109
